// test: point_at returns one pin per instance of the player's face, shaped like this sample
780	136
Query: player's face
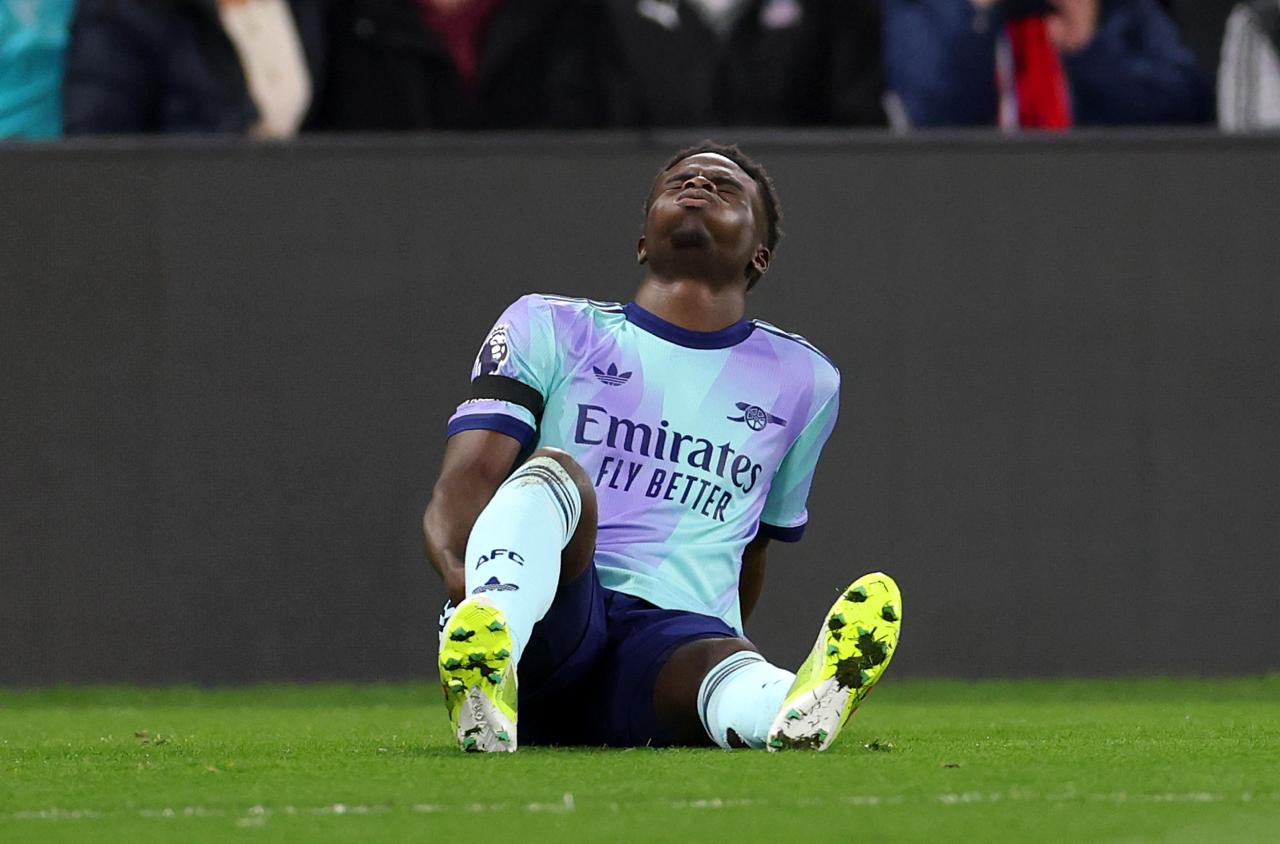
706	201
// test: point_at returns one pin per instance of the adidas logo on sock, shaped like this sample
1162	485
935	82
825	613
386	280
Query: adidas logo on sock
495	585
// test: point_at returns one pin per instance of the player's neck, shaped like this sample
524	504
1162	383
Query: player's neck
694	305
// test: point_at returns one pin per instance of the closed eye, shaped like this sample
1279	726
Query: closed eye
721	182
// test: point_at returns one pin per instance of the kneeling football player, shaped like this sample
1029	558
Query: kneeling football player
658	448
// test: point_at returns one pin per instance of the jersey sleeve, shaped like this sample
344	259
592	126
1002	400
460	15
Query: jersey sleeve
785	511
512	374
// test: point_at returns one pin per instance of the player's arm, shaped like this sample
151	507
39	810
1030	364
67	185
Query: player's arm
509	383
751	582
475	465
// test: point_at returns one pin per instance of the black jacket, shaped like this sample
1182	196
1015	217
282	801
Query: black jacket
167	66
784	63
389	71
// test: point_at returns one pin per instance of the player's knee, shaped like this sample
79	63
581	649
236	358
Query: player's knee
575	471
580	550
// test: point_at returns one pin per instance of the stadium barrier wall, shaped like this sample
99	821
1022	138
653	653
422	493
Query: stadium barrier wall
227	370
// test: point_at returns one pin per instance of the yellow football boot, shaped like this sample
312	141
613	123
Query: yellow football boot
479	678
857	640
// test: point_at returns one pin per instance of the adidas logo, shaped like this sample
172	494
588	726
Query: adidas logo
612	376
495	585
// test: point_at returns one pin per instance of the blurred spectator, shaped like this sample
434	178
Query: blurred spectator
1249	78
1054	63
33	40
1201	24
442	64
729	62
233	66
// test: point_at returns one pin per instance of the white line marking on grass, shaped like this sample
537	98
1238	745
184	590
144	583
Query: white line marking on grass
1016	795
872	800
56	815
257	814
566	804
188	812
716	803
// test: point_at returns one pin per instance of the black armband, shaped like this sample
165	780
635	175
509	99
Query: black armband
510	390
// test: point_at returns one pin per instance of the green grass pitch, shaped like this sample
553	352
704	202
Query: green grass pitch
1141	760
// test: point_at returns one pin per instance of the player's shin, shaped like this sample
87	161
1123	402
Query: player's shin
741	696
513	553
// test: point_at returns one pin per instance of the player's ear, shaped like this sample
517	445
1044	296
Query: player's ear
642	255
760	260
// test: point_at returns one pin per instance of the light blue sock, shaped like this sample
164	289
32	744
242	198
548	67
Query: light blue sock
743	694
513	553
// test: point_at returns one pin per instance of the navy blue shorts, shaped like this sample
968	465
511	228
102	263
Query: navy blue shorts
588	673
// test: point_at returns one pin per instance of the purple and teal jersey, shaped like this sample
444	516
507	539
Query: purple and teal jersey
695	441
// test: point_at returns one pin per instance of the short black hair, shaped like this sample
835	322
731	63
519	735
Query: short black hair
754	169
